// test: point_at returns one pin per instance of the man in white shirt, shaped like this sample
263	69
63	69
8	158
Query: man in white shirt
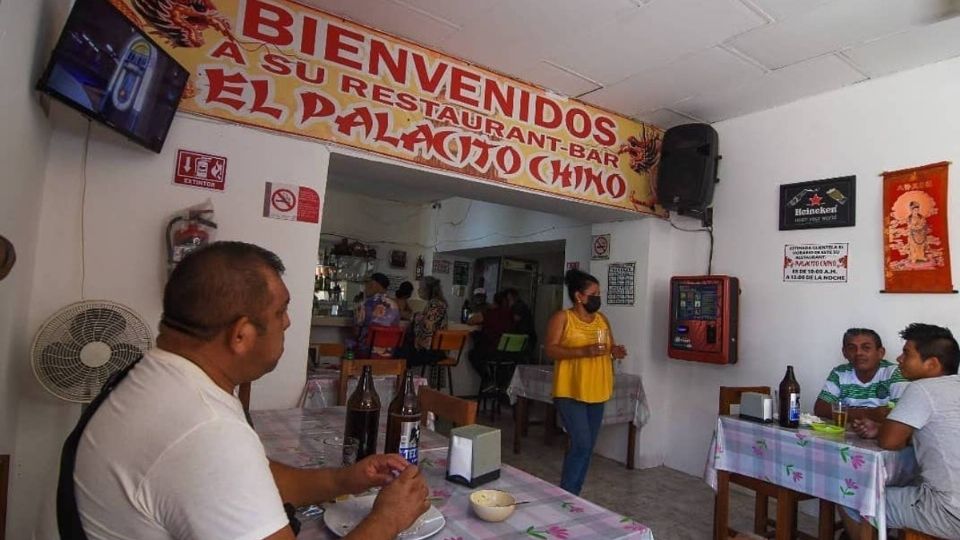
169	453
929	414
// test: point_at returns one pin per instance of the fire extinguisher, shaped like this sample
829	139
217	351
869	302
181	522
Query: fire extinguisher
419	271
186	233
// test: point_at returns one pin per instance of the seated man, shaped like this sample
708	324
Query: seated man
377	309
866	384
169	454
929	414
404	292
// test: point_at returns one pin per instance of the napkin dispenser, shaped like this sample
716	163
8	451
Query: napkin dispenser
474	455
756	406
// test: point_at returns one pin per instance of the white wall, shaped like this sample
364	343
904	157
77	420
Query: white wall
129	197
906	120
28	30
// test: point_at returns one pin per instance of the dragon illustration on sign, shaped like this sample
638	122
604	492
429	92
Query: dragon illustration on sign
179	22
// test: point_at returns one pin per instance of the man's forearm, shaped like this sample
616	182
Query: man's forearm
305	486
877	414
373	528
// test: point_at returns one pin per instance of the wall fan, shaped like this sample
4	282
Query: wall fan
80	346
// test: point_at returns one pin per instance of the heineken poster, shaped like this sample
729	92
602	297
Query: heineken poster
819	204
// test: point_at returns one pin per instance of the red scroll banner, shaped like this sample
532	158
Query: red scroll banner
916	249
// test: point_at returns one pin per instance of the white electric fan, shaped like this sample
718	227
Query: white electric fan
80	346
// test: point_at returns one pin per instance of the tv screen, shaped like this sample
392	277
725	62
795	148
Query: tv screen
110	70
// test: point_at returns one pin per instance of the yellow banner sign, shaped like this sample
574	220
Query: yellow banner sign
283	66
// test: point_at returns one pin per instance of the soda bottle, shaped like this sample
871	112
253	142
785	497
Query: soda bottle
363	415
789	400
403	423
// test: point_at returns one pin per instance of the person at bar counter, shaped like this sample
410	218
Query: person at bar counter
867	384
928	414
377	309
583	373
404	292
426	323
497	320
169	454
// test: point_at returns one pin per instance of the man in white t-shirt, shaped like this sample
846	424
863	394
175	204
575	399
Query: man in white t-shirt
929	414
169	454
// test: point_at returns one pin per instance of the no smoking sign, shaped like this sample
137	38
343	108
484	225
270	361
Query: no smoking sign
600	247
290	202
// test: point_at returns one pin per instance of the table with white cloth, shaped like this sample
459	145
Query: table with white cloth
323	387
843	469
535	381
289	437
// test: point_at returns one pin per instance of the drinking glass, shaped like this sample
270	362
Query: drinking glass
840	414
602	339
339	451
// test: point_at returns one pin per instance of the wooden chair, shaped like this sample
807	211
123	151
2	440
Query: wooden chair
510	349
384	337
462	412
909	534
320	350
380	366
451	343
762	524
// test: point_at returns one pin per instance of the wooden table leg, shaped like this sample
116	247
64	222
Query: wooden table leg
520	424
525	417
721	506
827	517
785	516
631	444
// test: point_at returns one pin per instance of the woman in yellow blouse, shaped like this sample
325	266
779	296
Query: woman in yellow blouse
581	344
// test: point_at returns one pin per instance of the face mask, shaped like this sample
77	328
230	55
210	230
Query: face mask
592	305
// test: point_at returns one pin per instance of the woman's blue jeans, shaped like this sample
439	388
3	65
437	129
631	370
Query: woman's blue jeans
582	422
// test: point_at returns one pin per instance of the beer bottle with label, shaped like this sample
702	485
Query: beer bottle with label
403	423
363	415
789	400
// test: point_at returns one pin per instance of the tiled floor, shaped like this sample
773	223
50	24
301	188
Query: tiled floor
676	506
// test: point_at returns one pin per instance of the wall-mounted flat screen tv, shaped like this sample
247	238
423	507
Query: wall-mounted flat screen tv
111	71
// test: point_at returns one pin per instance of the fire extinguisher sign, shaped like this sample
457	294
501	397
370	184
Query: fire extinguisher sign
291	202
200	170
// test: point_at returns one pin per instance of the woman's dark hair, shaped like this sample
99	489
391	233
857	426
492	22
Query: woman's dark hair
405	290
433	289
577	281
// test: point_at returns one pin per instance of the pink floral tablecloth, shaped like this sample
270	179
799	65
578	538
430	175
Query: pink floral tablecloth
553	513
845	469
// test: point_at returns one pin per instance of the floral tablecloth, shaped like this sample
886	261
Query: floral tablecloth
628	404
323	385
845	469
553	514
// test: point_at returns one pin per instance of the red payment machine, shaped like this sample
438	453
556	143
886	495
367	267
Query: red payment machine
703	318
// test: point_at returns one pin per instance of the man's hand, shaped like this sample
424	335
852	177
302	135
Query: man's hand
402	501
866	428
372	471
619	352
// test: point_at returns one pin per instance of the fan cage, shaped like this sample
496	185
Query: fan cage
56	351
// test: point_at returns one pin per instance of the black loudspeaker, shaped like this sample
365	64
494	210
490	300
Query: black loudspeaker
688	168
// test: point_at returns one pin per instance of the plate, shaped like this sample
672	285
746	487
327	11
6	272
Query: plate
342	517
826	428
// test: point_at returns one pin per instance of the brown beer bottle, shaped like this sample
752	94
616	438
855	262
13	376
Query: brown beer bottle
363	415
789	400
403	423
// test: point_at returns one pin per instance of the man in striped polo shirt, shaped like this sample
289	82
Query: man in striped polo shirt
867	383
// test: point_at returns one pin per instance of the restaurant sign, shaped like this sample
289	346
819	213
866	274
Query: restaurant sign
815	263
283	66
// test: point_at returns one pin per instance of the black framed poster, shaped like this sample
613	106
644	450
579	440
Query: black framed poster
818	204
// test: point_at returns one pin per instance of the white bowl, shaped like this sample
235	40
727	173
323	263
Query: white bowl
492	504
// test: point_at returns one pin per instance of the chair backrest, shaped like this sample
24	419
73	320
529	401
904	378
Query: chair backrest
380	366
450	341
462	412
730	395
328	349
384	337
512	343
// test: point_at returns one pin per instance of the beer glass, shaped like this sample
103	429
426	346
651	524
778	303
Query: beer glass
602	336
339	451
840	414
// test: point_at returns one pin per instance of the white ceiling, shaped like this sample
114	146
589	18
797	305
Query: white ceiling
670	62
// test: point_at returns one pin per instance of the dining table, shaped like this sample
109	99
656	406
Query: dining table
628	404
322	387
291	436
840	468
